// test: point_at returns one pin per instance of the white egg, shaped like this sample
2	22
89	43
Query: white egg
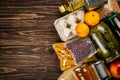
73	26
66	32
80	16
71	19
62	23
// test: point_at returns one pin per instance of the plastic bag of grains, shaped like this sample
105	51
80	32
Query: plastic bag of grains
111	6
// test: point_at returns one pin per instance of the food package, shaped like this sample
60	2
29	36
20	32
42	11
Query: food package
80	48
111	6
73	52
65	56
65	26
93	71
70	74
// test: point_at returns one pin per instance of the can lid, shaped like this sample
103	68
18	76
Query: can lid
62	8
113	16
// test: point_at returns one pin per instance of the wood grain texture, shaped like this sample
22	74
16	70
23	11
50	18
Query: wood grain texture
26	37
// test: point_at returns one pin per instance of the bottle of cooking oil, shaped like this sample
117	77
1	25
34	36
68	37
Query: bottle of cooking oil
71	5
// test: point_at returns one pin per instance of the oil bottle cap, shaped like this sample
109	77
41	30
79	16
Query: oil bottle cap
62	8
113	16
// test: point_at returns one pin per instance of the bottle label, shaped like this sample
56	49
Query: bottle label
73	3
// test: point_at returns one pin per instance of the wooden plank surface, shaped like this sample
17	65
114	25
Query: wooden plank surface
26	37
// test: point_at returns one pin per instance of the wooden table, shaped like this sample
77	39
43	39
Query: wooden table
26	37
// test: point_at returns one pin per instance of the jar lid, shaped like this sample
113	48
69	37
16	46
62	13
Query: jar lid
62	8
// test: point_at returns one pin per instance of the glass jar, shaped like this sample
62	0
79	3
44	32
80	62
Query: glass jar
106	43
94	71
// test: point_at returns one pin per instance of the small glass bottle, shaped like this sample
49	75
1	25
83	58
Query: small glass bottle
106	43
71	5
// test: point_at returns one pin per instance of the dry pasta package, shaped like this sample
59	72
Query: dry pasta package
65	56
73	52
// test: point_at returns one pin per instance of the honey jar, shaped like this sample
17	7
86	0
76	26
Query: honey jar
93	71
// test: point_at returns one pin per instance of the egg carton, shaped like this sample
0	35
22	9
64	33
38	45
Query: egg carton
65	26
